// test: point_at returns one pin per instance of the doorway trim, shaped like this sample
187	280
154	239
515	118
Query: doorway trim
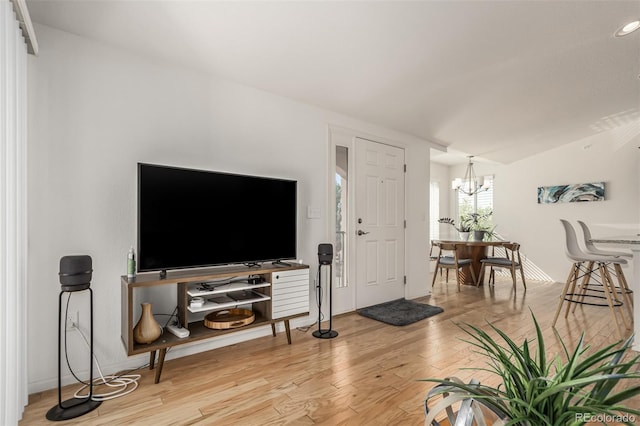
344	300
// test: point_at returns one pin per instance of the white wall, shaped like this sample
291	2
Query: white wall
96	111
520	218
440	174
417	214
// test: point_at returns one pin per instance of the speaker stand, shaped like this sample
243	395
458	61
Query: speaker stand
326	333
74	407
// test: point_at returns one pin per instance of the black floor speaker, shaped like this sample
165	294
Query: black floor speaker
75	275
325	257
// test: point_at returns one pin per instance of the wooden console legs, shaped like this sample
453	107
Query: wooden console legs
287	328
152	360
163	351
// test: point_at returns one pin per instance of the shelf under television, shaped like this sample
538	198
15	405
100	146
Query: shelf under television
224	288
213	306
198	331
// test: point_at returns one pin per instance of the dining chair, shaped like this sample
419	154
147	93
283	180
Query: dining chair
617	268
511	260
433	257
448	258
584	264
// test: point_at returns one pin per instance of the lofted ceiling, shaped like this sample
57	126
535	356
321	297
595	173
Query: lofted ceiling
501	80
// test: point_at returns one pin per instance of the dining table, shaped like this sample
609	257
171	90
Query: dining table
631	241
474	250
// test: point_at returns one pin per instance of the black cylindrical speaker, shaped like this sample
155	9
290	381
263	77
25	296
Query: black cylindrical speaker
325	254
75	272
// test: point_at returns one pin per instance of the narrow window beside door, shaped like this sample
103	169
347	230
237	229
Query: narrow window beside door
341	188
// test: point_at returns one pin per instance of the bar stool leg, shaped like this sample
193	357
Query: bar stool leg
624	288
572	289
584	285
618	299
563	294
607	293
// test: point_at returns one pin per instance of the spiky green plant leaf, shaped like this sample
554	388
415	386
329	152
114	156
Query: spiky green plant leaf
536	390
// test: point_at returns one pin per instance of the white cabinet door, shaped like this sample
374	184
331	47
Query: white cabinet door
289	293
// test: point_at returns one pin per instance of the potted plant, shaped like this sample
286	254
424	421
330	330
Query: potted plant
463	229
536	390
480	224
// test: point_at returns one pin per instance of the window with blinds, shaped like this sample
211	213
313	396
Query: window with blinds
13	212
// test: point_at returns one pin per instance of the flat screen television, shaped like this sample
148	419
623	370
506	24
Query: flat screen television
195	218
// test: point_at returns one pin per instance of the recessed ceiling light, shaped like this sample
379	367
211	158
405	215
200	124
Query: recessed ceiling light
628	28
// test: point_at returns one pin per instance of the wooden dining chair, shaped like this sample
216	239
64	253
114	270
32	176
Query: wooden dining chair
433	257
511	260
448	259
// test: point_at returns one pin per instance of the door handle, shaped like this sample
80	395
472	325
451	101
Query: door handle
361	232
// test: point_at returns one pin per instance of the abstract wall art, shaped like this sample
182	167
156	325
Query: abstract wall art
571	193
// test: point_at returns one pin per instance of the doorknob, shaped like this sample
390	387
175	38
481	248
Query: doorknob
361	232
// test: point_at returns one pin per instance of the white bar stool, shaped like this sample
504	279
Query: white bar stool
584	263
590	248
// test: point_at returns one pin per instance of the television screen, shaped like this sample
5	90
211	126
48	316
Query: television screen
192	218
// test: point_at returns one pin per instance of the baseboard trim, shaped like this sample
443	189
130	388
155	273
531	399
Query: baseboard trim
135	361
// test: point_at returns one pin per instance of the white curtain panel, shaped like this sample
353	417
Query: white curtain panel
13	217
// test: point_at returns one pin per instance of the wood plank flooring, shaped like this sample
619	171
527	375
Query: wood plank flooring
368	375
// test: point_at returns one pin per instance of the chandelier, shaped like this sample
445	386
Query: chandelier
470	184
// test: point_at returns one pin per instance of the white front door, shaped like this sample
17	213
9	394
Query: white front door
380	223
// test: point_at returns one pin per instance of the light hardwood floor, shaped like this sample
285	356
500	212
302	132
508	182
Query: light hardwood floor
369	375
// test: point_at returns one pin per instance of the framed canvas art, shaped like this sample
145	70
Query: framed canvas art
571	193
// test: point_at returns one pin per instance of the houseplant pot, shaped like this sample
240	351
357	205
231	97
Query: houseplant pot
479	235
540	391
463	229
469	411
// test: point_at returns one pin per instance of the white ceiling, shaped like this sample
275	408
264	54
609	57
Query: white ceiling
501	80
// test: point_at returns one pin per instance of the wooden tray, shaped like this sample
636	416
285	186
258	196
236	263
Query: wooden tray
229	318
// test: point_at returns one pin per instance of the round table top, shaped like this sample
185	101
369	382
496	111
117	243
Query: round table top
472	242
